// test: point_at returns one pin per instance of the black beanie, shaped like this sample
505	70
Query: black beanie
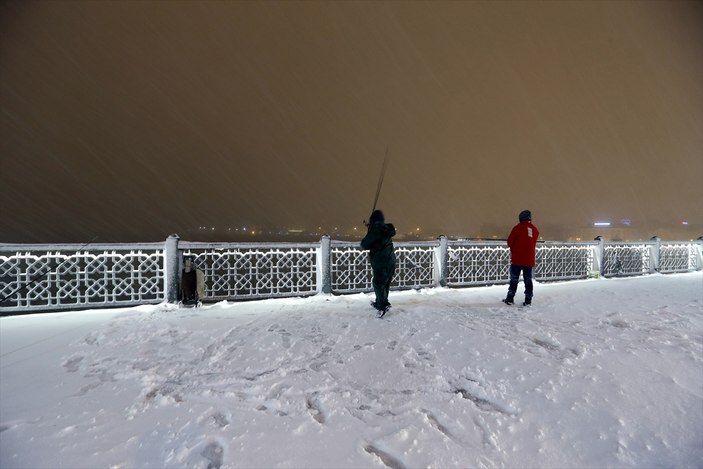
525	215
377	215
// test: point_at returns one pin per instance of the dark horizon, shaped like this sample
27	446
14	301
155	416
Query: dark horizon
490	232
131	121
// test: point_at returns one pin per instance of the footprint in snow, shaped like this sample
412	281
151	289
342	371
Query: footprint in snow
219	420
285	338
556	349
73	364
314	408
387	459
213	454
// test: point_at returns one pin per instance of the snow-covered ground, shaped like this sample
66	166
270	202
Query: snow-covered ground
599	373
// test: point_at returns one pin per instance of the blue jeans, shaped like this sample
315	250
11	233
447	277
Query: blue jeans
515	277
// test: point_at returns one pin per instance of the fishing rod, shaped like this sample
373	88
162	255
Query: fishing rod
380	180
380	183
39	277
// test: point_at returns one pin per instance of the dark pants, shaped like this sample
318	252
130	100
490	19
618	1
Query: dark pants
382	276
189	286
515	276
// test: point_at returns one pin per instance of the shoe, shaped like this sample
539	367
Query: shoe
527	303
508	301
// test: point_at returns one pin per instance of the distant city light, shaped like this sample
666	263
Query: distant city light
602	223
626	221
684	222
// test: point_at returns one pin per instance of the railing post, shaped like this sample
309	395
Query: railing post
324	266
654	250
171	267
699	253
598	255
441	255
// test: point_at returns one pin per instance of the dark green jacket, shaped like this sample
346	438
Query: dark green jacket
379	244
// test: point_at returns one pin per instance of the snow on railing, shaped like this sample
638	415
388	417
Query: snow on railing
58	277
351	271
248	270
622	259
676	256
35	277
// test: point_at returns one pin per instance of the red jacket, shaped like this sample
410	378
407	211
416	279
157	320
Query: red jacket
522	242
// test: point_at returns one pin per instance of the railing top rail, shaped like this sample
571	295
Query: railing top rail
629	243
502	242
569	243
224	246
19	247
13	247
476	242
416	243
355	244
682	243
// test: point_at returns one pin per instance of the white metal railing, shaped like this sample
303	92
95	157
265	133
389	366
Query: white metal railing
68	276
565	261
679	257
477	263
255	270
56	277
626	259
351	271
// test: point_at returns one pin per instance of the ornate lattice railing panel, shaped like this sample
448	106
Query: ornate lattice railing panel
626	259
42	279
241	271
678	257
477	264
351	269
416	265
560	261
67	276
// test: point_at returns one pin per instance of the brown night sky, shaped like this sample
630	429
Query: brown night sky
135	120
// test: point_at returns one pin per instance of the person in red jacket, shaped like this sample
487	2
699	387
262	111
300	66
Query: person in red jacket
523	244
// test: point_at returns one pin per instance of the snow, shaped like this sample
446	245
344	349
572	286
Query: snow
598	373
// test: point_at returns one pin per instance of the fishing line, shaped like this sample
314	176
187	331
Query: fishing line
380	180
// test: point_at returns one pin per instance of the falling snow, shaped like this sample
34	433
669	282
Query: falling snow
132	121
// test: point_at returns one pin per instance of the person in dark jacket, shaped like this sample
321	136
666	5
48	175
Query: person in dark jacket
380	246
523	245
